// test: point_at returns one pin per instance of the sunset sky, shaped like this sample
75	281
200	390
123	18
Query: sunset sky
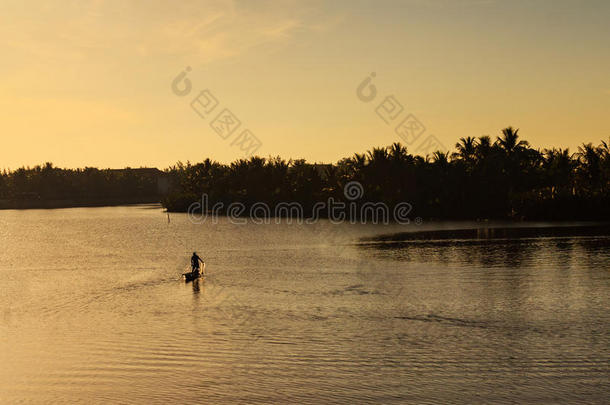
88	83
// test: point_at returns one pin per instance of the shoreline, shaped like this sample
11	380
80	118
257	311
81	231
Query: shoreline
55	204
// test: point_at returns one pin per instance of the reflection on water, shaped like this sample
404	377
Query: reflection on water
500	247
516	231
93	309
196	285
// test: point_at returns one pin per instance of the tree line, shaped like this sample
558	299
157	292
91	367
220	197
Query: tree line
483	178
46	185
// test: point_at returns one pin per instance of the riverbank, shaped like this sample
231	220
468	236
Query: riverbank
74	203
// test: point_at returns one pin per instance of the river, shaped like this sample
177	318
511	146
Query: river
92	310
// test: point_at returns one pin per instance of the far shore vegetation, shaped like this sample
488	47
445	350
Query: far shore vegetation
483	178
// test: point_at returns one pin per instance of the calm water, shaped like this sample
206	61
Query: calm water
92	310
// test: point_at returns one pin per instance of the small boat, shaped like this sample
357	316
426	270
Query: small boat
190	276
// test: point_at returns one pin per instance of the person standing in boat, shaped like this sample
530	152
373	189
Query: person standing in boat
195	260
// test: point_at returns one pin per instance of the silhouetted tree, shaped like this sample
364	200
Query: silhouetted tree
480	179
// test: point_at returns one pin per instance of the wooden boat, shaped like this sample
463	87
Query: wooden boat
190	276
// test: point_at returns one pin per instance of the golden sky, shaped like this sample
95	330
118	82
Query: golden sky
88	83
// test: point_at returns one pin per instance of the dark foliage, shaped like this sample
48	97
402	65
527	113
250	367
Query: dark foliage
51	186
482	179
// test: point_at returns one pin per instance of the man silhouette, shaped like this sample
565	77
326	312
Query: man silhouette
195	259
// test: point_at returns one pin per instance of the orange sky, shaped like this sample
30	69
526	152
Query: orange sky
88	83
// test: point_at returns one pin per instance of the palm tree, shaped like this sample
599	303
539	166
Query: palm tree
605	147
605	165
509	141
466	148
440	158
483	147
358	161
378	155
589	158
589	155
398	153
559	167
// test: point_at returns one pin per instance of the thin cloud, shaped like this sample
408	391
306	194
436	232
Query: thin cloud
200	32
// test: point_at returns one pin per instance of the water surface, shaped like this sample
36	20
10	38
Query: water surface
92	310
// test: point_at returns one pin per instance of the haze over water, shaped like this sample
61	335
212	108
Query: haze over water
93	310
